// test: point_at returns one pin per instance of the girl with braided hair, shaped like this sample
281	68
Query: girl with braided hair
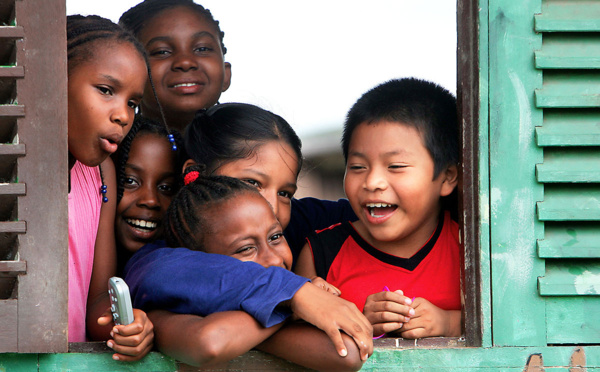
107	71
148	176
186	55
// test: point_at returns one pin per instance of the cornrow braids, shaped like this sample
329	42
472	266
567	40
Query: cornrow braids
84	31
136	18
184	222
142	125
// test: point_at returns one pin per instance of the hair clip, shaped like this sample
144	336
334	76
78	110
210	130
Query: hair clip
190	177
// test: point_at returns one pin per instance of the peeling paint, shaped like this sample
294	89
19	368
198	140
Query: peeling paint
587	283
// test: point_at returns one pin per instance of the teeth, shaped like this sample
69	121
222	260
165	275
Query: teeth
142	224
378	205
185	85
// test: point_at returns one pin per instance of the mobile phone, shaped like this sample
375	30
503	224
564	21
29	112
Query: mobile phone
120	301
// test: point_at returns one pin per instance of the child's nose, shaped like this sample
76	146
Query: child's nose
122	115
375	180
149	198
184	61
272	258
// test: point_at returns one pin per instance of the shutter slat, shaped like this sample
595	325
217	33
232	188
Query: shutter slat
12	110
568	16
13	266
10	149
12	189
569	165
11	32
11	72
570	279
13	227
570	240
570	203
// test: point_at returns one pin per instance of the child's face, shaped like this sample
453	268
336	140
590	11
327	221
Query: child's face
103	93
245	227
389	183
273	170
186	61
150	180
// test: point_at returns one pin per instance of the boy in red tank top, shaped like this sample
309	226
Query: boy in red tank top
400	262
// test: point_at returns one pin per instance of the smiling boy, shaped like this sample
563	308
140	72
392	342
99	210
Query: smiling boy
400	262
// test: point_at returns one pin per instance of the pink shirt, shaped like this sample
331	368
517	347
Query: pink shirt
84	216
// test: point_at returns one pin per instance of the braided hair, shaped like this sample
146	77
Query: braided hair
233	131
137	17
84	31
184	223
143	125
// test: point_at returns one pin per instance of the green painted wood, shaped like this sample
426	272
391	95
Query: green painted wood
484	176
18	362
571	278
570	203
513	188
569	165
570	241
568	16
573	127
569	51
103	362
570	320
573	89
476	359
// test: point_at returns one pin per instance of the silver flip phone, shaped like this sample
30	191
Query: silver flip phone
120	301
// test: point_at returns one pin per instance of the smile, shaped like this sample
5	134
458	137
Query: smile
185	85
142	224
380	210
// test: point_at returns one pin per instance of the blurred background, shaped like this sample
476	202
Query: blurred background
309	61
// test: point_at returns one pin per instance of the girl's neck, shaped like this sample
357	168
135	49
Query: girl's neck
177	121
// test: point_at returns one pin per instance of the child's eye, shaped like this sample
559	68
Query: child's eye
286	194
130	182
203	49
252	182
166	189
275	237
397	166
134	105
245	251
104	90
356	167
160	53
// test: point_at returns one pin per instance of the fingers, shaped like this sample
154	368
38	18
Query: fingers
127	354
105	318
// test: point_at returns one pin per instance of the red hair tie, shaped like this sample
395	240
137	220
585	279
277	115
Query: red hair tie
190	177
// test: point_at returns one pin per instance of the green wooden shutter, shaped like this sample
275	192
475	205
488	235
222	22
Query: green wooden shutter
570	172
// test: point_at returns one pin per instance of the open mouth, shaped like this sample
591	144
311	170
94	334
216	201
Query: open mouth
143	225
185	85
380	210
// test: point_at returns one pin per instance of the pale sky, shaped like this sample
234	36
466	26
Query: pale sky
310	60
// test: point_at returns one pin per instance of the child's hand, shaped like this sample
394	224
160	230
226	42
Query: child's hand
332	314
388	311
322	283
132	341
429	320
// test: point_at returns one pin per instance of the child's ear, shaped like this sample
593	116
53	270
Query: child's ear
450	180
188	163
227	80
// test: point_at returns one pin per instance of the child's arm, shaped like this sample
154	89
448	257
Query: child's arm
308	346
132	341
388	311
429	321
207	341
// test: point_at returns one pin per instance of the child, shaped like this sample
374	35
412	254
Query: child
226	216
107	72
400	144
186	55
148	176
261	149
